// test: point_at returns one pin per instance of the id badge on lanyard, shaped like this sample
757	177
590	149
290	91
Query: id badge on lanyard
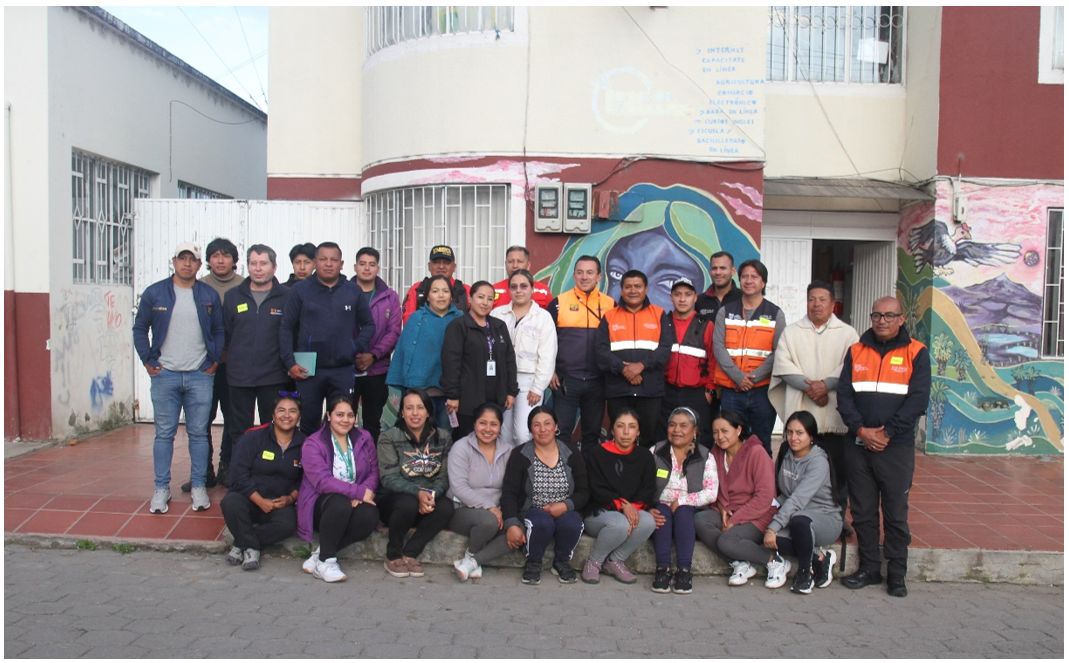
491	365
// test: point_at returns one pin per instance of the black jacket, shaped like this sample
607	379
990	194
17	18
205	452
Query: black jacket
334	322
465	351
654	362
517	485
253	358
614	476
260	465
708	305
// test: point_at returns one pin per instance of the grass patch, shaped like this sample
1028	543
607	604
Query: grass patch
123	548
85	544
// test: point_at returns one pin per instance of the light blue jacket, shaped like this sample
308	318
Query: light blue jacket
417	360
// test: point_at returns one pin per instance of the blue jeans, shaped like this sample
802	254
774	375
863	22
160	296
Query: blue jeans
755	409
172	392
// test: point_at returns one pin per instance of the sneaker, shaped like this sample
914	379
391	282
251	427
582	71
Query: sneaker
742	572
564	572
465	567
160	498
396	567
662	580
824	568
682	582
803	580
619	571
235	556
329	571
532	573
251	560
778	568
309	565
591	572
200	499
415	569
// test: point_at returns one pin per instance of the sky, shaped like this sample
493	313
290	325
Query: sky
227	44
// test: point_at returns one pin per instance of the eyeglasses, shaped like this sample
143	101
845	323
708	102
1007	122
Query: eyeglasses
876	317
519	286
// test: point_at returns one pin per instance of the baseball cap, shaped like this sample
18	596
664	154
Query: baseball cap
187	246
684	281
442	252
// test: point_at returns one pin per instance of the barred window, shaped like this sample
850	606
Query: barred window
187	190
1053	301
387	26
404	224
836	44
102	201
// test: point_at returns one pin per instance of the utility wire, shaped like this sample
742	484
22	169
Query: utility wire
256	71
212	49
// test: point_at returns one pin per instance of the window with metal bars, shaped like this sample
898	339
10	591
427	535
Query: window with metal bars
187	190
405	223
387	26
102	206
1053	302
836	44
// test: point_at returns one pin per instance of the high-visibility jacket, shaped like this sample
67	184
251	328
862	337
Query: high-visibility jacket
887	374
688	365
578	315
749	342
633	337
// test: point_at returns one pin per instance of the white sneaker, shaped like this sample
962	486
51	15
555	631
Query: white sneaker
160	498
328	571
467	567
309	565
200	498
743	572
778	568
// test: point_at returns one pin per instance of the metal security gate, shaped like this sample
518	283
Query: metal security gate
160	225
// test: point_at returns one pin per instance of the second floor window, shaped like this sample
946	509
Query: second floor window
836	44
387	26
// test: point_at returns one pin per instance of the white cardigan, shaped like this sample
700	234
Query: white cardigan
535	342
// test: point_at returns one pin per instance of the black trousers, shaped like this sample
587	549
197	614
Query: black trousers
220	400
649	411
251	527
583	400
880	482
369	392
244	403
400	512
321	387
692	397
341	524
835	446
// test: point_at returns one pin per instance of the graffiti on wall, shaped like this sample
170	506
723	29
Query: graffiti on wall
667	233
975	290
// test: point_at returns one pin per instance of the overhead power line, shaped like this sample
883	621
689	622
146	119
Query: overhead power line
220	58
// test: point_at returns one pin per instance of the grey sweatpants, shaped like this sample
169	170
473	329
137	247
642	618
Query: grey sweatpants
611	539
741	542
486	542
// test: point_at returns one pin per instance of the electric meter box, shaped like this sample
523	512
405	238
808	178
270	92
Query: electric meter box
548	209
577	204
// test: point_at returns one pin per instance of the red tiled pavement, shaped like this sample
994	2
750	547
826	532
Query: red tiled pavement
100	487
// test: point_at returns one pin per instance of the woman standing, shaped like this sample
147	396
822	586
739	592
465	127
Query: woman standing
621	489
337	496
534	340
545	486
265	472
744	503
476	472
412	464
687	485
417	360
808	516
478	363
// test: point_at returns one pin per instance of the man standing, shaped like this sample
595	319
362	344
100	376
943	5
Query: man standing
883	390
632	351
723	290
517	258
369	387
687	375
185	319
442	262
805	374
327	316
578	386
252	315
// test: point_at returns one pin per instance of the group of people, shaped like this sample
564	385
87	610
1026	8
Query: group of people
491	381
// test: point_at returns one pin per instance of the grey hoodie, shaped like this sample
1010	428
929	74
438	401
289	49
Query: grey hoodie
804	486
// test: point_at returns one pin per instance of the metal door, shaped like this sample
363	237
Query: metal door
790	267
874	276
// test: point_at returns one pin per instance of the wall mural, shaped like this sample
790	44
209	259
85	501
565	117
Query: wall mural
975	295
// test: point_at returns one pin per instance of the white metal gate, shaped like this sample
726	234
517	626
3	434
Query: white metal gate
790	267
875	268
161	224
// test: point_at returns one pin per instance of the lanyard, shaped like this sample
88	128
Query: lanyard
347	459
489	339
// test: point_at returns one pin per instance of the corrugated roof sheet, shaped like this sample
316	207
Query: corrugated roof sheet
816	187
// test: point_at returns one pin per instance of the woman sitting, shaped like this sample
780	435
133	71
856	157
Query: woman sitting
744	508
476	471
265	472
686	486
412	464
621	480
808	516
545	486
337	496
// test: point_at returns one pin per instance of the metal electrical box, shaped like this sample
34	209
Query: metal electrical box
548	216
577	201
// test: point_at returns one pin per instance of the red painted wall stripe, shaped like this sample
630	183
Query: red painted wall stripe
27	366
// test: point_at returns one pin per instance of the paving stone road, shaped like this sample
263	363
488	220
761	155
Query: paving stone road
99	603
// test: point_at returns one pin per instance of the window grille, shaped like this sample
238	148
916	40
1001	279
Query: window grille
387	26
404	224
836	44
1053	303
102	197
187	190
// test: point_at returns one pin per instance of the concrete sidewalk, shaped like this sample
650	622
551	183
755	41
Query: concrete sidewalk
992	519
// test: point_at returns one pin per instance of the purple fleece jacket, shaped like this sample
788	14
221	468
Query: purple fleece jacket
386	312
317	457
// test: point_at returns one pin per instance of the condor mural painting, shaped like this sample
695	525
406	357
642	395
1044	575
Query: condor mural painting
975	292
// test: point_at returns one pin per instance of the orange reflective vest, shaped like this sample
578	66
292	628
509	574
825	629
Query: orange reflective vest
889	374
749	342
634	331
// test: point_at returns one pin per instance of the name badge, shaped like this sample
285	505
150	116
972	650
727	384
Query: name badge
268	455
662	474
897	361
491	369
242	308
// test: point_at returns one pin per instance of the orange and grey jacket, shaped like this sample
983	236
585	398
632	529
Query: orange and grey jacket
747	345
634	337
577	315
